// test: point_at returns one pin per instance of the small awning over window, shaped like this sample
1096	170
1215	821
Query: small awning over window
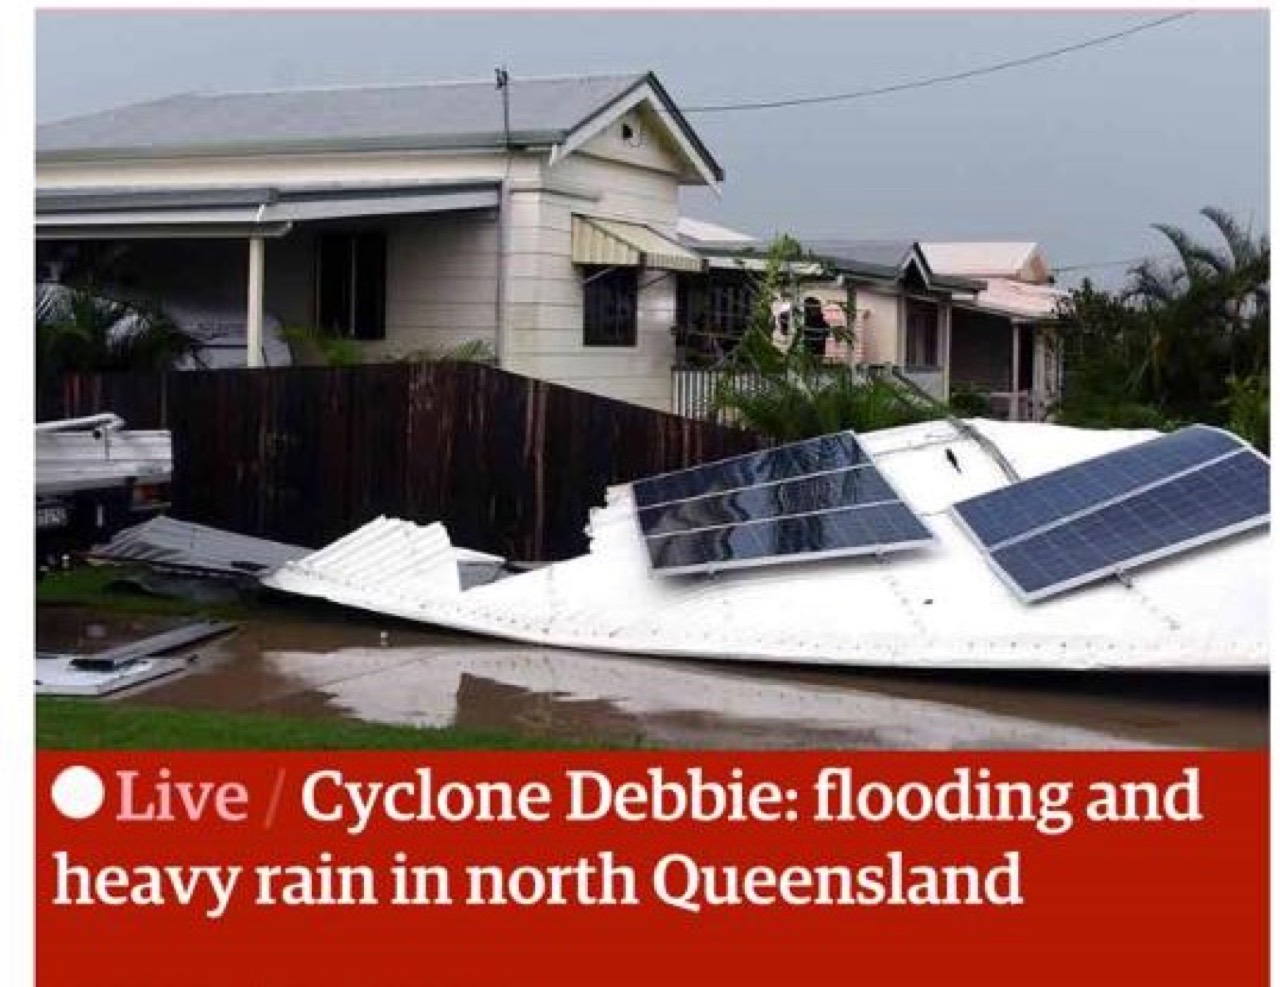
614	243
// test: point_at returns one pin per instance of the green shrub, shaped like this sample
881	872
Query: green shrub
969	402
1249	409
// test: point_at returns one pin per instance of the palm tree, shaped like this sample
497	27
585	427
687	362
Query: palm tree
1207	315
1186	340
81	329
794	406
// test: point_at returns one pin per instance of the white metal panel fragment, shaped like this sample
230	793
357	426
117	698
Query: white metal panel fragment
387	557
941	608
58	677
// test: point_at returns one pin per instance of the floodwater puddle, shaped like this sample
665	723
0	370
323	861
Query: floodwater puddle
76	631
415	676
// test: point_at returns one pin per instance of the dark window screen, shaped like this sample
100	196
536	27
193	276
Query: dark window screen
351	271
609	306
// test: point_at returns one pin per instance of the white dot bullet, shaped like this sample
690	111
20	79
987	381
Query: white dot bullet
78	792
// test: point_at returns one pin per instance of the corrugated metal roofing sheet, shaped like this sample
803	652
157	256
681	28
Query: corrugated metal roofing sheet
181	544
943	608
405	561
890	255
438	114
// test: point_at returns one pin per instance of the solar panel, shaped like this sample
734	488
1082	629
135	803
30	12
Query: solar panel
830	452
1012	511
819	498
1099	517
806	495
852	531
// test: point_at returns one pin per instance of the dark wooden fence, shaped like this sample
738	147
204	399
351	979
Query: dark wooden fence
305	454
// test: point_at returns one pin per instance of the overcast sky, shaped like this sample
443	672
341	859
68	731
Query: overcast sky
1081	153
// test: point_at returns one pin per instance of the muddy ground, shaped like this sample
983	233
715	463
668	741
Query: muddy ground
352	666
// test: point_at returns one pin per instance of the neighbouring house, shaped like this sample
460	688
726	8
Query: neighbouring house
1003	340
538	216
951	317
901	308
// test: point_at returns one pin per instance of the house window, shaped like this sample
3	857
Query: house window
609	306
714	311
351	284
922	334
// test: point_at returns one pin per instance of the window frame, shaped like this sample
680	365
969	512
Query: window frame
359	258
610	307
926	338
718	303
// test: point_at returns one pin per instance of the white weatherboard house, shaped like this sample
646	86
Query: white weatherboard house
539	218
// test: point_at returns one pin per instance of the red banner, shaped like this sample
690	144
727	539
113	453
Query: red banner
618	868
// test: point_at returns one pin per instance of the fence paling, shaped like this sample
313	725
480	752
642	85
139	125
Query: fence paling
305	454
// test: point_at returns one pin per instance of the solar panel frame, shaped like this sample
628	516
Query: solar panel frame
707	504
1244	456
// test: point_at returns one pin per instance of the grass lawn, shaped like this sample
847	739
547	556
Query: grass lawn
102	587
86	724
112	588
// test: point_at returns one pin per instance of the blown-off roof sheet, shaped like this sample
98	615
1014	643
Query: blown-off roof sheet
165	541
941	608
441	114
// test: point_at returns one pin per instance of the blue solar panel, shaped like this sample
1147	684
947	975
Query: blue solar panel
812	499
1013	511
1177	504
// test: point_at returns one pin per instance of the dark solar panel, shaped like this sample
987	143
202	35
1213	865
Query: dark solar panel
824	492
811	499
1188	505
830	452
1016	510
789	539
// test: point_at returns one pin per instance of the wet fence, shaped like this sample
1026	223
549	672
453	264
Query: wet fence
305	454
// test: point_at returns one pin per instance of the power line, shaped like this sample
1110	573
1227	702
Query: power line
1112	263
936	80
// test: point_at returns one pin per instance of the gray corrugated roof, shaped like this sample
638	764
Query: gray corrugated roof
887	254
882	258
429	115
